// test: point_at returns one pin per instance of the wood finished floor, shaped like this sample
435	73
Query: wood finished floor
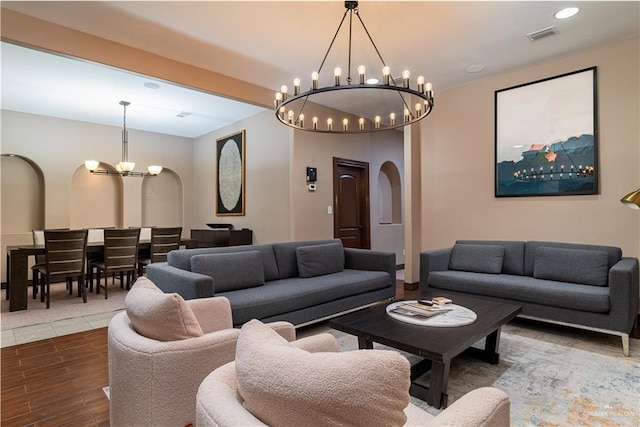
59	381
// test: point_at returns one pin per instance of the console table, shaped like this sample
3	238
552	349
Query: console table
222	237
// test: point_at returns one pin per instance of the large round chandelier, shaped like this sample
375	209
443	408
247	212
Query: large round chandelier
365	105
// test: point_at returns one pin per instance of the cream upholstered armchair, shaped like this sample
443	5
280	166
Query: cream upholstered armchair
307	382
160	350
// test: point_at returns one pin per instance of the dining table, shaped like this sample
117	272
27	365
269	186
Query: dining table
18	266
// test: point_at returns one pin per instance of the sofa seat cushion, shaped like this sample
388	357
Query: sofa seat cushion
160	316
230	271
287	295
594	299
318	260
477	258
287	386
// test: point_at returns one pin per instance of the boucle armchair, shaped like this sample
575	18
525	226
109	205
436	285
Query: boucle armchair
308	382
161	349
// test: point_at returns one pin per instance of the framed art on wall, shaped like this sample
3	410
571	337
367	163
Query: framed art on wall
546	137
230	164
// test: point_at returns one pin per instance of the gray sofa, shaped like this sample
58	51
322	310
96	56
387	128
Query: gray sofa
587	286
298	282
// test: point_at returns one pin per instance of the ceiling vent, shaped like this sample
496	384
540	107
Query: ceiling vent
545	32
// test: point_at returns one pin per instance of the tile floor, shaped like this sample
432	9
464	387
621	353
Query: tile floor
49	330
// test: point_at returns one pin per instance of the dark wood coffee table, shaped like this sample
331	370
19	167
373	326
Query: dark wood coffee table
436	345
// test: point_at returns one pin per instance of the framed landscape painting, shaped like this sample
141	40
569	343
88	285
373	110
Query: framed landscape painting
230	161
546	137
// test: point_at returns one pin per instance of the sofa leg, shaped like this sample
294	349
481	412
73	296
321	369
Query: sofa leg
625	344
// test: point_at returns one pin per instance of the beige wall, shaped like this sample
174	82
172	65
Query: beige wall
267	210
458	162
59	147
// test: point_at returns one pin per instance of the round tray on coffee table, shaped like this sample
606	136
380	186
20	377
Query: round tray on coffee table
458	316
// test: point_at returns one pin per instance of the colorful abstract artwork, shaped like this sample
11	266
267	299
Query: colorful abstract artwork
546	137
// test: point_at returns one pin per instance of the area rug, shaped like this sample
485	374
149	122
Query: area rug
554	376
62	306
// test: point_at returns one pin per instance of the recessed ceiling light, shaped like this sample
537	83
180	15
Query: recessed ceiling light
373	81
475	68
151	85
565	13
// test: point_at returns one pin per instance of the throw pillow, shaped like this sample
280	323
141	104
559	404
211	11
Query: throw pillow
477	258
572	265
283	385
318	260
160	316
231	271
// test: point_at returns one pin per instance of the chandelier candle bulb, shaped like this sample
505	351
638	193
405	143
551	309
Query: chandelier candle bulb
329	124
296	86
154	169
405	78
301	120
361	74
345	124
386	73
420	81
283	90
392	119
314	80
429	91
361	123
418	109
377	122
290	115
315	123
336	75
406	115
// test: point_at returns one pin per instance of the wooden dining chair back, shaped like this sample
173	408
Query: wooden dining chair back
65	258
163	241
38	240
120	257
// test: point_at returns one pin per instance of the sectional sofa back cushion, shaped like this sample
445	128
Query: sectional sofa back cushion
614	253
287	386
230	271
513	262
286	257
477	258
318	260
572	265
182	258
160	316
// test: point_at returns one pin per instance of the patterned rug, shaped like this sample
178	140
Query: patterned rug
555	376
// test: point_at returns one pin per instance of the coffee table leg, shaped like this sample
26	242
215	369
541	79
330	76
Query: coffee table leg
364	344
438	384
491	345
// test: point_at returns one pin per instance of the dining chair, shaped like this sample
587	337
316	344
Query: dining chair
65	258
120	257
163	241
38	239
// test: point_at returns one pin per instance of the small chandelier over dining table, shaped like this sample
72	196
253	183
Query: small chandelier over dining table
125	167
366	108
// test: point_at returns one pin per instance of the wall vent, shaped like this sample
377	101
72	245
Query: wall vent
545	32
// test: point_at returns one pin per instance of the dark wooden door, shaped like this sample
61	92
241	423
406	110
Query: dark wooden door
351	203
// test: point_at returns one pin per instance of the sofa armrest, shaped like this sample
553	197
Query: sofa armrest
187	284
624	291
366	259
213	314
486	406
285	329
434	260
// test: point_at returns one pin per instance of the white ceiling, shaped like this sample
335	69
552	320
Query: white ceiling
269	43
